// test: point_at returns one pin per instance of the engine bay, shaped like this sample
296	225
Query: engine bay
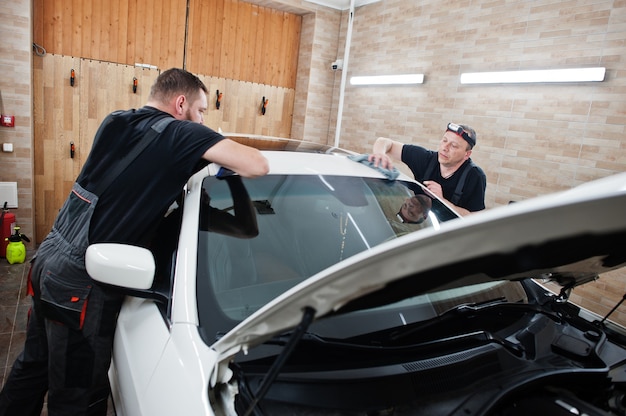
493	358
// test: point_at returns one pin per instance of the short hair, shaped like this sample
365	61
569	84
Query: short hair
176	81
471	132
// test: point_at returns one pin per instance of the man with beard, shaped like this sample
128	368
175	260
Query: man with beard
137	167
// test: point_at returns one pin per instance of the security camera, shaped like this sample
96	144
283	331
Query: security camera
337	65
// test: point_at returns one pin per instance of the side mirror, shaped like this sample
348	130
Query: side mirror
121	265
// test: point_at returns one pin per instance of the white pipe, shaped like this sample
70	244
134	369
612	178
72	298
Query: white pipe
344	73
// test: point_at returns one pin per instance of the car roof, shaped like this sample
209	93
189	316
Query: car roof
285	144
297	157
305	163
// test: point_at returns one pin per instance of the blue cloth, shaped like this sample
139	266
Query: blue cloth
390	174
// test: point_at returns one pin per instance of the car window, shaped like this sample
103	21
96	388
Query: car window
306	223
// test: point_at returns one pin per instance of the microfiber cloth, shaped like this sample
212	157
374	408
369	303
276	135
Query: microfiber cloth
390	174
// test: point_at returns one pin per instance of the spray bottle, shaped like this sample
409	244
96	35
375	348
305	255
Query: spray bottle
16	250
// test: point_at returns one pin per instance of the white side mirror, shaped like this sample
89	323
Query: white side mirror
121	265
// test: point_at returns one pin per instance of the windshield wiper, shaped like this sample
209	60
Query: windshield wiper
450	314
483	337
465	310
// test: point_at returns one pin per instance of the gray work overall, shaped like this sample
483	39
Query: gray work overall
70	331
72	315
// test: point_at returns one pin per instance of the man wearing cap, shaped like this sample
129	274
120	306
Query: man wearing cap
448	172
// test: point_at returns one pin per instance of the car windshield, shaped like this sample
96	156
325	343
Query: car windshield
306	223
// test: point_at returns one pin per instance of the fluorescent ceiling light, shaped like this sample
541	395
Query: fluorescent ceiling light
388	79
342	4
544	75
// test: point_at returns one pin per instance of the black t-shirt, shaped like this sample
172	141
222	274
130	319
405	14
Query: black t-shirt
418	159
136	201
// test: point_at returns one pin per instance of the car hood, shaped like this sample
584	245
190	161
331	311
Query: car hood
569	237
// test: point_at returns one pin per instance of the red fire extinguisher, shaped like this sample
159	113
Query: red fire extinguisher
7	222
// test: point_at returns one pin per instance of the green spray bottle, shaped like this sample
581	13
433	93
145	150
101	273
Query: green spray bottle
16	250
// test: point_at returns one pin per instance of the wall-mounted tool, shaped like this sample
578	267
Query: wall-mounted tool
264	105
72	77
218	99
72	150
135	82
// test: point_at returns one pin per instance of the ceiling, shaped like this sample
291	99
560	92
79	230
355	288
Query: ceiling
342	4
288	7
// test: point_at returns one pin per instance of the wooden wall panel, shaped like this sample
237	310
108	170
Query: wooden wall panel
55	110
238	40
226	38
204	35
240	109
107	87
64	114
292	43
76	21
242	37
274	42
258	53
119	31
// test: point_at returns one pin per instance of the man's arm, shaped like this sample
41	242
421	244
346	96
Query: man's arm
473	191
384	150
244	160
435	189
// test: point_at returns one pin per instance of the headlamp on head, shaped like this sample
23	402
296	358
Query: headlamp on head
455	128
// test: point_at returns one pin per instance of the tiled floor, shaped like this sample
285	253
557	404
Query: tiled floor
14	305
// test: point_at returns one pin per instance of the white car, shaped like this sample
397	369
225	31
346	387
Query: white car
305	292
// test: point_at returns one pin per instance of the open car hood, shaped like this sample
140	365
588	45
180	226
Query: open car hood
569	237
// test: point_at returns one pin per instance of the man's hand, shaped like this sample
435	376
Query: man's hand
384	151
380	160
434	187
